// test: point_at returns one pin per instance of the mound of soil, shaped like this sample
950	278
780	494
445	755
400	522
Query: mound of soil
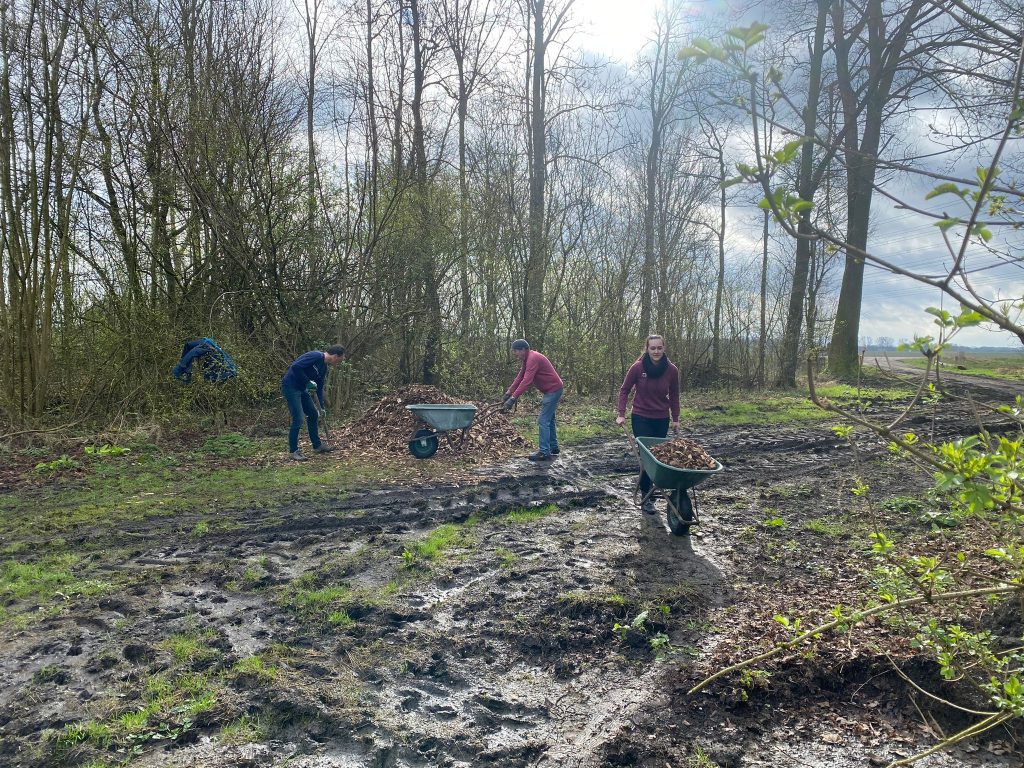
384	429
683	453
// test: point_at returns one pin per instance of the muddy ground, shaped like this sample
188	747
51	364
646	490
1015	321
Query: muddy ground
492	620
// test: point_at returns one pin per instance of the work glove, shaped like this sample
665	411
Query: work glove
505	397
509	404
310	386
323	414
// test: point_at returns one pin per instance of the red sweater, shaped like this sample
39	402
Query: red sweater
538	371
654	398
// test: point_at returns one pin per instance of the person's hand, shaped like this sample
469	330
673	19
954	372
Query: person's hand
509	404
323	414
620	420
675	427
505	397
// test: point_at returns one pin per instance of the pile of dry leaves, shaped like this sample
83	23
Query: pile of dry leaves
385	428
683	453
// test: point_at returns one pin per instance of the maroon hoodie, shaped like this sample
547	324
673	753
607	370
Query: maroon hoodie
654	398
538	371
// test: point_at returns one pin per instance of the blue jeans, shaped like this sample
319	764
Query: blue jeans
646	427
299	403
547	435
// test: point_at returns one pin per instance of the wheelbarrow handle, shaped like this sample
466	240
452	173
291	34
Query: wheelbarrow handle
631	439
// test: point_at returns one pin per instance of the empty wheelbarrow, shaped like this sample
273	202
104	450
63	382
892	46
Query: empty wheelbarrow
674	484
440	420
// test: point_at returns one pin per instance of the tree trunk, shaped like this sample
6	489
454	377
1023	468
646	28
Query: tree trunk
806	190
536	266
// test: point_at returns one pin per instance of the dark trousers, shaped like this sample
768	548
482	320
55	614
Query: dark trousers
645	427
300	403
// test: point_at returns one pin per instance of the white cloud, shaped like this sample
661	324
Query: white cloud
615	28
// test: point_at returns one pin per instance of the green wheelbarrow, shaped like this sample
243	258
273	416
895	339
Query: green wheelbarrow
674	484
440	420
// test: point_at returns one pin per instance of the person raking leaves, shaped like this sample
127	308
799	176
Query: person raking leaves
308	368
537	371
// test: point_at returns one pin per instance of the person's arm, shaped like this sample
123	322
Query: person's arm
321	369
519	377
525	377
627	384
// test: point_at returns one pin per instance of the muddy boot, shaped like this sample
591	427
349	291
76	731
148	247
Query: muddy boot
296	456
648	507
323	449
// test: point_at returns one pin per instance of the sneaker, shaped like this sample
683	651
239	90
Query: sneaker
648	507
323	449
296	456
538	456
555	451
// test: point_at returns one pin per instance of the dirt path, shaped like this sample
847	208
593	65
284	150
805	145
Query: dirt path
502	650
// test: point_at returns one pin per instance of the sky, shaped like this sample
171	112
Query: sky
893	307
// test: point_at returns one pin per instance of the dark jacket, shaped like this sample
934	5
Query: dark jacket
217	364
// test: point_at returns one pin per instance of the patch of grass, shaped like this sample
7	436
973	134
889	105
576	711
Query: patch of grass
529	514
506	558
317	600
49	674
441	541
246	730
91	732
46	580
254	666
14	548
700	759
340	619
758	408
596	598
232	445
991	366
902	505
829	527
583	422
190	647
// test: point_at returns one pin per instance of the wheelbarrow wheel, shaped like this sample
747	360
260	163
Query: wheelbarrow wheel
423	444
679	522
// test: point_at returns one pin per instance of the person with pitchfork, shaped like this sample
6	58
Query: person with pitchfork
655	402
537	371
308	371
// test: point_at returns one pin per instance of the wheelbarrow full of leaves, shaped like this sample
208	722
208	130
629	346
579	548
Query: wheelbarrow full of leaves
674	484
439	420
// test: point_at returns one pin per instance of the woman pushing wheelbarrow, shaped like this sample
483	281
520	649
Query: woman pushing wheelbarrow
656	381
655	406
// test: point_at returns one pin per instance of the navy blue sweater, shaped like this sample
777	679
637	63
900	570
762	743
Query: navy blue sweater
308	367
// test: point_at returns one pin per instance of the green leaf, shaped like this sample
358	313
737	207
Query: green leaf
946	189
982	231
946	224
